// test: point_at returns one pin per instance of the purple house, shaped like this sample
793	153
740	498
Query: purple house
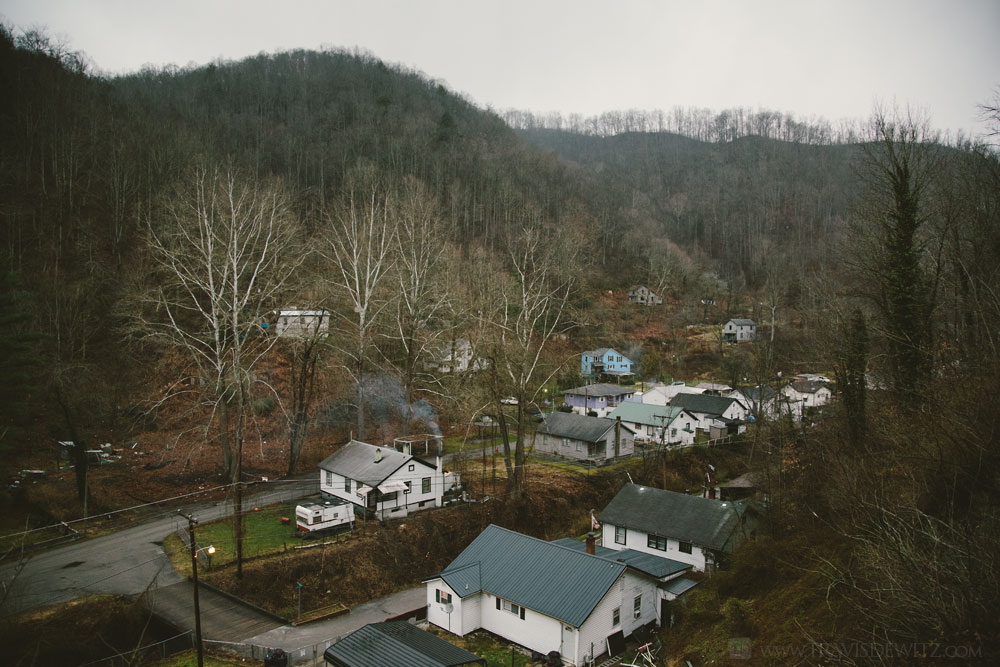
598	398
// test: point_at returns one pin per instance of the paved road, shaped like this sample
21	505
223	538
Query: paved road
131	561
291	638
126	562
222	618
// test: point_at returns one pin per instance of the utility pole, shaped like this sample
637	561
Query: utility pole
239	512
192	522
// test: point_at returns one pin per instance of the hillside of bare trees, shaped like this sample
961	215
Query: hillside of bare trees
156	226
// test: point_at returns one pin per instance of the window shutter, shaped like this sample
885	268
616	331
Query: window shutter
498	604
522	613
437	595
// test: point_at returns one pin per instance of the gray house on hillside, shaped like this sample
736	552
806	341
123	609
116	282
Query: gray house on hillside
739	330
584	438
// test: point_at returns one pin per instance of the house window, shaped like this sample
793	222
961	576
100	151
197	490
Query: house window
442	597
511	608
425	485
685	547
565	443
656	542
407	489
619	534
579	446
389	497
329	478
347	484
410	468
616	617
637	606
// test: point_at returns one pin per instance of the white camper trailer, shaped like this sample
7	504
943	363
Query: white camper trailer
320	518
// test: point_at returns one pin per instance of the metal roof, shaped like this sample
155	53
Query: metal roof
396	643
679	586
601	389
702	521
646	413
357	461
704	403
557	581
577	427
809	386
649	564
754	394
742	322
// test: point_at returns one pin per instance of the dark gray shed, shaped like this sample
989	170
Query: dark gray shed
397	643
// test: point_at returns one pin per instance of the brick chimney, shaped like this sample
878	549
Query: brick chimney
591	543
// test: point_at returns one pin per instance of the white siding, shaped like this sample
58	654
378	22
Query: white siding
537	632
599	624
437	615
403	503
472	612
638	540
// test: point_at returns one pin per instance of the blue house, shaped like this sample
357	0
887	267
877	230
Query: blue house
605	361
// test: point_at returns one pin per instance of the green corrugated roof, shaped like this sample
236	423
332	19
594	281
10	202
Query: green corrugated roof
679	586
396	643
554	580
642	413
702	521
654	566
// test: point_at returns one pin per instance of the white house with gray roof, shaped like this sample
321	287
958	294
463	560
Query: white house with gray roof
386	483
546	596
690	529
574	436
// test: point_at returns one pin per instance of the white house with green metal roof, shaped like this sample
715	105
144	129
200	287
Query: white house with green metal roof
661	424
546	596
690	529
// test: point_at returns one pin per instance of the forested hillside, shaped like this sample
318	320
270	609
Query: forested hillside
156	224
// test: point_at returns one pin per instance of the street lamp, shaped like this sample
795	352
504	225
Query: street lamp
209	552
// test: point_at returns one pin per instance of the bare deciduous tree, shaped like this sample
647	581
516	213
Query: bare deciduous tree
419	248
524	311
361	240
223	253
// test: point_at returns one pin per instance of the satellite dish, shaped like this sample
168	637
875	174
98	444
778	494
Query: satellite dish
449	607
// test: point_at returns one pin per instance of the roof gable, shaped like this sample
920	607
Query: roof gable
357	461
547	578
705	522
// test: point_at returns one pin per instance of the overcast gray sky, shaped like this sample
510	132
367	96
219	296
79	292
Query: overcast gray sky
829	58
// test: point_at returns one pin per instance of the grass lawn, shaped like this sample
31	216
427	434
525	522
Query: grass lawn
190	659
485	645
263	534
455	443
